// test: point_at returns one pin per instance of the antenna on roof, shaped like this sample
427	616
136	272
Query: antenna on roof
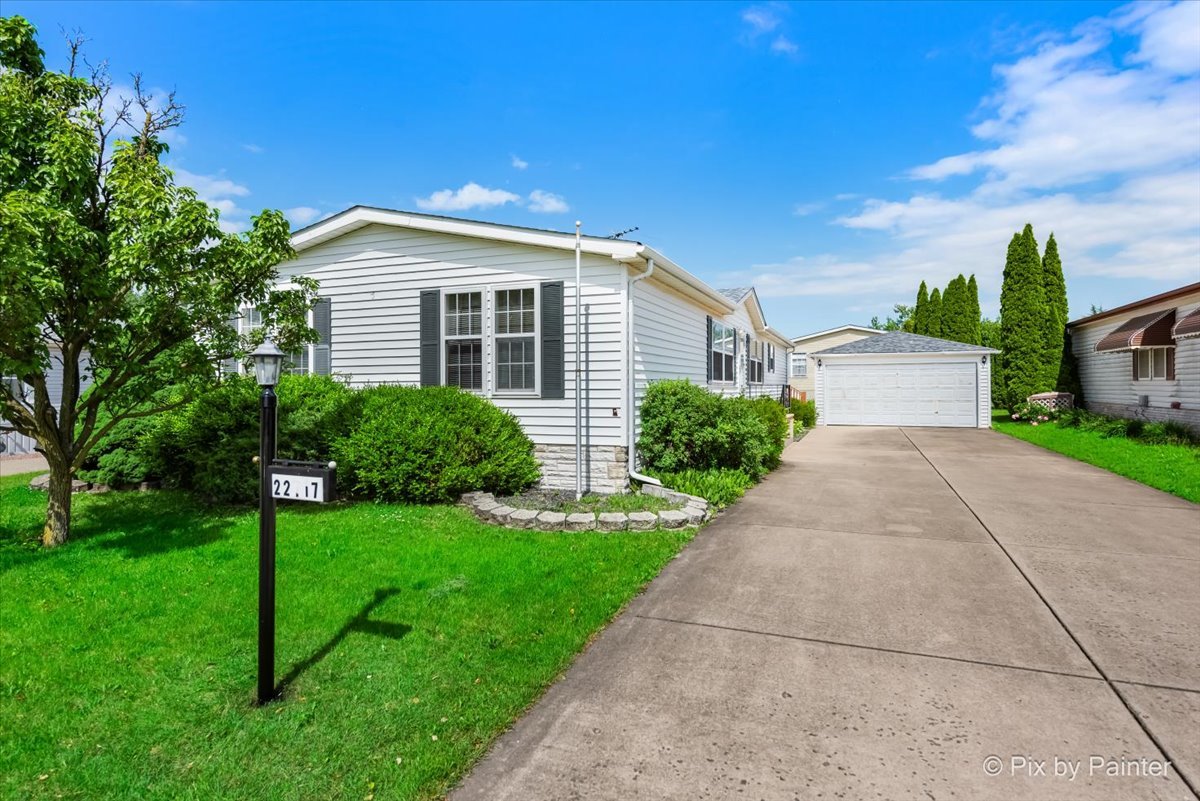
619	234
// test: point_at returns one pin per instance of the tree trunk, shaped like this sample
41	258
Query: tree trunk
58	511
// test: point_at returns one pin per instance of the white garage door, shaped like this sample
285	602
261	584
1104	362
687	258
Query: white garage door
901	395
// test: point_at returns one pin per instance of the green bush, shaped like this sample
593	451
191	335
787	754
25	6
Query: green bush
772	415
719	486
209	445
805	412
431	444
685	426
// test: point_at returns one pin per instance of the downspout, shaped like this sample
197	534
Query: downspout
631	384
578	367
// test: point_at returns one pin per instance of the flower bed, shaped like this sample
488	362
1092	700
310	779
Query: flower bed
526	511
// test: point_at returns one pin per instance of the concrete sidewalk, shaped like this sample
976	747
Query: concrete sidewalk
15	465
917	613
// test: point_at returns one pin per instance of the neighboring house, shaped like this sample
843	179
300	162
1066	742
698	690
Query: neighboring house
801	374
903	379
421	299
1142	360
14	444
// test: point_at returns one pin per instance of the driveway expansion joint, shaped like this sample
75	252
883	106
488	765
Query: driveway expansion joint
879	648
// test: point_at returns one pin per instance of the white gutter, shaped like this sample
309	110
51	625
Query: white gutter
578	370
631	384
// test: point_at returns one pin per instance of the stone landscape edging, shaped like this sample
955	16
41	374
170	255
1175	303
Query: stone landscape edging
695	511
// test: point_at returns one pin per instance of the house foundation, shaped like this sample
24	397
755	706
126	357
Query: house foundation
605	470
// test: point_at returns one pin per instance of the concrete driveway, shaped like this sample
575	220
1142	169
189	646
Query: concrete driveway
895	613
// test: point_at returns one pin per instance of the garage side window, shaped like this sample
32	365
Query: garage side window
722	352
799	365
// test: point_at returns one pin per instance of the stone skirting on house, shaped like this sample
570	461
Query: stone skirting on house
1158	414
604	468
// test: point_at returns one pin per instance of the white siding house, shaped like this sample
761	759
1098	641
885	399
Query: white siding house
14	444
421	299
1142	360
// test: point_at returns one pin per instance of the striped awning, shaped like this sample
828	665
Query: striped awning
1144	331
1189	326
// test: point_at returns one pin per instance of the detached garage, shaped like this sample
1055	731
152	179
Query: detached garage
901	379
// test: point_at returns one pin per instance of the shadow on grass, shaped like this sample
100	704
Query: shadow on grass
360	623
137	523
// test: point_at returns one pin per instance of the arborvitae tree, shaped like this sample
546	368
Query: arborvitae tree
1023	320
920	315
1055	287
989	337
933	317
976	326
956	311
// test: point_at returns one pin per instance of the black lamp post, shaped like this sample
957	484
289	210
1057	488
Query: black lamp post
268	359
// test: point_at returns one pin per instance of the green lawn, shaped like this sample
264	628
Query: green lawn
1171	468
409	638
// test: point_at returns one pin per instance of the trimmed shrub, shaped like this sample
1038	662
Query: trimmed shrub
719	486
209	445
772	415
431	444
805	412
686	426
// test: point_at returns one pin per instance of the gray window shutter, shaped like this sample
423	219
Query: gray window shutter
708	357
553	384
230	366
431	368
323	349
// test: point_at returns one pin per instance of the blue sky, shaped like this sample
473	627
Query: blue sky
831	154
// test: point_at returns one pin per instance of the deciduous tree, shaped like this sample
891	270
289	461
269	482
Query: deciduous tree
108	269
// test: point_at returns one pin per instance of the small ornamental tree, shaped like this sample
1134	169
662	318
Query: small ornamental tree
976	314
109	271
1023	311
933	315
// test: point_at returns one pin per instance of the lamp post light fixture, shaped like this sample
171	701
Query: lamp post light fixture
268	361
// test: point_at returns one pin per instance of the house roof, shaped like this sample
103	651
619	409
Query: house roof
858	328
1138	304
896	342
736	293
632	253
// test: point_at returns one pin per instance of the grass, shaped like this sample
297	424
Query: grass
1171	468
408	639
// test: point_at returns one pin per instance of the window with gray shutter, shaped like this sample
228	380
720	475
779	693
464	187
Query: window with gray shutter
323	349
230	366
552	338
708	346
431	372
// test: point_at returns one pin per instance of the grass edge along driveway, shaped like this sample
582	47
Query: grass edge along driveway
1170	468
408	639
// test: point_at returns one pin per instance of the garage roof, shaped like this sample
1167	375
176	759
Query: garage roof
904	342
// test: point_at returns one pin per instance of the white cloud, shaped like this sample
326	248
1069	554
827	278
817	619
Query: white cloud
218	192
1107	157
470	196
250	147
519	163
782	44
302	215
761	19
805	209
544	202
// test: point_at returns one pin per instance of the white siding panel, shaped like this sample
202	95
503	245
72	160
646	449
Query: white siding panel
374	277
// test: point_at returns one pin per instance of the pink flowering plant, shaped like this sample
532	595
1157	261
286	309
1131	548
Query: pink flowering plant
1033	413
